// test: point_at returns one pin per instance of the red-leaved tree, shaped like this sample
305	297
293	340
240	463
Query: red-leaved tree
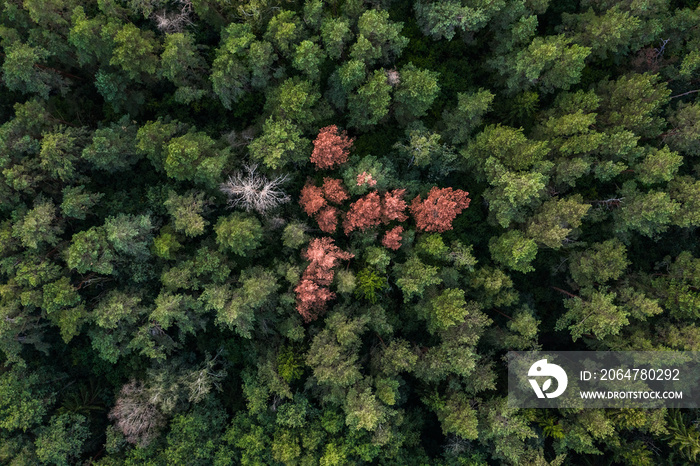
365	177
312	292
393	206
365	213
312	299
334	191
439	209
392	238
331	147
327	219
311	199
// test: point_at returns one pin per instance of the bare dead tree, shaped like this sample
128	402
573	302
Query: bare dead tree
253	191
136	417
456	445
170	21
200	382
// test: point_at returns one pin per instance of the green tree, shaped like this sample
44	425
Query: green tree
513	194
61	441
504	430
335	35
194	435
59	153
293	100
615	32
658	166
371	102
514	250
239	233
457	416
284	30
364	410
91	38
25	399
507	145
647	213
634	102
600	263
153	137
135	52
280	143
424	149
39	225
548	63
686	191
195	157
294	235
183	65
308	57
186	211
593	313
379	39
442	19
555	220
89	250
448	309
241	64
130	235
683	437
332	355
368	282
112	148
77	203
257	292
686	125
413	277
461	121
24	69
415	92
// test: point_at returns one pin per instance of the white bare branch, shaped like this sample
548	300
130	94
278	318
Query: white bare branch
253	191
169	22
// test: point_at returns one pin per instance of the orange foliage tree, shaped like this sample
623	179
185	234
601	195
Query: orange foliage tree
392	238
371	210
311	199
312	291
327	219
331	147
314	201
365	213
439	208
334	191
393	206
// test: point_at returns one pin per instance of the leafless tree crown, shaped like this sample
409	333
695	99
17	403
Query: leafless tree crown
253	191
170	21
136	417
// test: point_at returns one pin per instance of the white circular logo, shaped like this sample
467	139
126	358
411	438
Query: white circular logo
542	369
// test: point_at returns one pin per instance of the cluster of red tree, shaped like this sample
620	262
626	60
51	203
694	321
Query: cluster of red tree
312	291
331	148
315	202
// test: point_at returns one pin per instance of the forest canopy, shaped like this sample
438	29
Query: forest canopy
307	232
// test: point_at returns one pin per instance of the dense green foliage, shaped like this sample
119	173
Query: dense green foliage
153	250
